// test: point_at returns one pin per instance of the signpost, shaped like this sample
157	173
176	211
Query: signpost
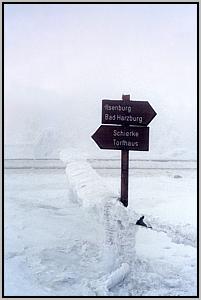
131	134
124	165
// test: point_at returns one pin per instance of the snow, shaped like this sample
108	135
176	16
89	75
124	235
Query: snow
61	234
167	198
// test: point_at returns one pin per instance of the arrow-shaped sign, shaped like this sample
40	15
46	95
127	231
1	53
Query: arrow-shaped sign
127	112
122	138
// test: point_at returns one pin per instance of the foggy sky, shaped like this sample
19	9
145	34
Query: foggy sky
61	60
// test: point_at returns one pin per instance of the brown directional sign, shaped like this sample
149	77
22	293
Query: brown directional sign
122	137
128	113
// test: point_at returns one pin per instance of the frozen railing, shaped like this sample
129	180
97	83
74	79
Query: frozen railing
111	164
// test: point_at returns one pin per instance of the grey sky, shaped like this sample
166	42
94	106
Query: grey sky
61	60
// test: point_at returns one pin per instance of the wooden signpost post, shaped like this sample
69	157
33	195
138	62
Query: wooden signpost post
130	133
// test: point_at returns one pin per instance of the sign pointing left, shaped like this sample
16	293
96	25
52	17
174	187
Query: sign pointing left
122	138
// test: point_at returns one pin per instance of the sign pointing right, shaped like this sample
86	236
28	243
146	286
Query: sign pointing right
127	113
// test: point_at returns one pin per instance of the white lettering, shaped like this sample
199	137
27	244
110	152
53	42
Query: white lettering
118	108
124	133
129	119
125	143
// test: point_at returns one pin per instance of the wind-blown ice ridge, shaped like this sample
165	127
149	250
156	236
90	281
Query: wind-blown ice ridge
91	192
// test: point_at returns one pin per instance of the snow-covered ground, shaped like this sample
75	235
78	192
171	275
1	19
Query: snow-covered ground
54	246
